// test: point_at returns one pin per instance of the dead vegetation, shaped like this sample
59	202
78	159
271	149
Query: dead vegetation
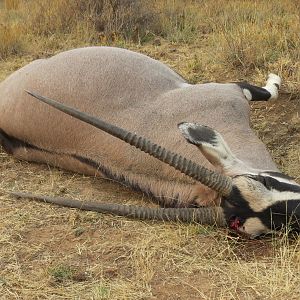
49	252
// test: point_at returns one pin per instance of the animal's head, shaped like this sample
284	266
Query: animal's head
258	201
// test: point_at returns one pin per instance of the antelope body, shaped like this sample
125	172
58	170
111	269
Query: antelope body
141	95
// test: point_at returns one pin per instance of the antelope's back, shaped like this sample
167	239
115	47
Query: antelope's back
127	89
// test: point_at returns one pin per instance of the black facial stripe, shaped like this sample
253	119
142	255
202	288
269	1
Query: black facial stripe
287	187
281	214
236	205
272	183
278	174
11	143
258	93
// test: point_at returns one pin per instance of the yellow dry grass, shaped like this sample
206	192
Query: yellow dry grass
49	252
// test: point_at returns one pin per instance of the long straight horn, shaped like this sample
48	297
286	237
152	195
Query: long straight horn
220	183
202	215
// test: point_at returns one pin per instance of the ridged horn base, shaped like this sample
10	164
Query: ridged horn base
202	215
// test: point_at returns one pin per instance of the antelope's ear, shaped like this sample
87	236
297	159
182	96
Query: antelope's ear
199	134
212	145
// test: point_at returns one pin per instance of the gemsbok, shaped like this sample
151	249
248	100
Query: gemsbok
224	175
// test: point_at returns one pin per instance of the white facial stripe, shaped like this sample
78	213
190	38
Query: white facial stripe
259	197
278	178
283	196
253	227
254	192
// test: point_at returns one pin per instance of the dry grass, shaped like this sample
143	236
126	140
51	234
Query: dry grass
57	253
49	252
10	41
246	38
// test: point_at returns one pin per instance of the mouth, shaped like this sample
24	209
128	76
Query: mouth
235	223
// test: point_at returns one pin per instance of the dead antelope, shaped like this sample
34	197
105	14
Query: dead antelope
232	175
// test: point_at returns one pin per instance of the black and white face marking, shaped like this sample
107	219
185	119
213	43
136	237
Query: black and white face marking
259	204
255	93
261	200
278	176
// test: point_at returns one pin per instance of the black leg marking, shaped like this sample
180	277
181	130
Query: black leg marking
6	143
269	91
10	143
254	93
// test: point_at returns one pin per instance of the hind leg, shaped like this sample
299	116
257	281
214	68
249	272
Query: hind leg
269	91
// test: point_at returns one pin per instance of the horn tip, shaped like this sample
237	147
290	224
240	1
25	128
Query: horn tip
29	92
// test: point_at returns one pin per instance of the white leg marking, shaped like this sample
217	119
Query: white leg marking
247	94
272	85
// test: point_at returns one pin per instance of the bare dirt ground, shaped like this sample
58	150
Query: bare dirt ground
49	252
